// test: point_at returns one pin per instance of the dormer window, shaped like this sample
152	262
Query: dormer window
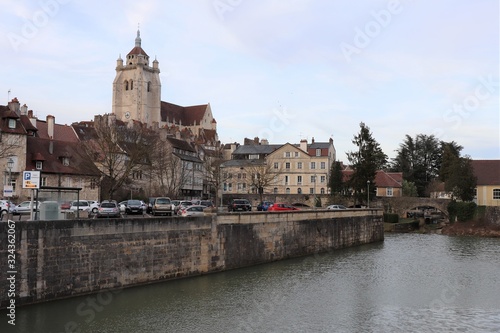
39	165
12	123
65	161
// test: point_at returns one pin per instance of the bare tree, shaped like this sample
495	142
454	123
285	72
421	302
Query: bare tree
116	149
262	175
168	173
10	144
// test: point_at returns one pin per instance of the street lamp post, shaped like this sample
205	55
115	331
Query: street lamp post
10	165
368	193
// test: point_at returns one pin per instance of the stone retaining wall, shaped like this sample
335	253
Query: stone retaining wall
58	259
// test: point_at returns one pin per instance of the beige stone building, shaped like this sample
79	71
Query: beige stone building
283	169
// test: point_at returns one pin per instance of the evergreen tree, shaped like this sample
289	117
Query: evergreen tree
336	181
365	162
460	178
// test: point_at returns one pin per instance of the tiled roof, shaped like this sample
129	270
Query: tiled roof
389	179
487	171
255	149
382	178
39	150
61	132
138	50
181	144
187	115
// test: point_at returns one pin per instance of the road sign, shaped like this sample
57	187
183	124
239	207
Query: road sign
31	179
8	191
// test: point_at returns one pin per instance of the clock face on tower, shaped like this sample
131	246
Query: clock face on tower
127	115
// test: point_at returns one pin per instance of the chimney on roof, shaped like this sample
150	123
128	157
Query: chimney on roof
264	142
50	126
32	119
24	110
303	145
14	105
312	140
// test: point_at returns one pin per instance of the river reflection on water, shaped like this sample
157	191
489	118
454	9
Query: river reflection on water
408	283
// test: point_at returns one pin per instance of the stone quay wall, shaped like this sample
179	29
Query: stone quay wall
58	259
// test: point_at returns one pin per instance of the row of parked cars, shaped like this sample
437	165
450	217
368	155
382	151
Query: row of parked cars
269	206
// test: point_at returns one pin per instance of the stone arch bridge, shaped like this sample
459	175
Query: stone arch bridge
402	205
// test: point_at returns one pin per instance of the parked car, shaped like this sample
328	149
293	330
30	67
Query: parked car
108	209
162	205
94	206
182	204
194	210
280	207
66	205
207	203
6	206
151	201
25	208
300	204
336	207
239	204
133	207
264	206
81	205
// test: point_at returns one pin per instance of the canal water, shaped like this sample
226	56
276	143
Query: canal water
408	283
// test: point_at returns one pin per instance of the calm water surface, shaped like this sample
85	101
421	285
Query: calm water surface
408	283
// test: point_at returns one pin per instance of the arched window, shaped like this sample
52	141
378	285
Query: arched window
275	190
299	190
126	85
287	190
322	190
131	85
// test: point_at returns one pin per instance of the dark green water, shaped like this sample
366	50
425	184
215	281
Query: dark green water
408	283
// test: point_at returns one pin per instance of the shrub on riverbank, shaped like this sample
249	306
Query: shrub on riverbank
461	211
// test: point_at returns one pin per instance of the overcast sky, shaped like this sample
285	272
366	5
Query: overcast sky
284	70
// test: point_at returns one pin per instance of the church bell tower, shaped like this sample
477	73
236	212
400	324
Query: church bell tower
137	87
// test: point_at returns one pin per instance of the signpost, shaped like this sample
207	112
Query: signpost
31	180
8	191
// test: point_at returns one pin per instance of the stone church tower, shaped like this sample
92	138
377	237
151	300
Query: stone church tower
137	88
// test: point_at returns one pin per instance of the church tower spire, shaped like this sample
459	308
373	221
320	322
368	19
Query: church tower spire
137	87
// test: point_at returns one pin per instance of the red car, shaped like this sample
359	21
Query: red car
279	207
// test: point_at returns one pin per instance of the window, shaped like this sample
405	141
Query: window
286	180
39	165
125	85
322	191
93	183
313	165
299	165
287	190
299	191
275	190
13	183
230	187
287	154
253	157
297	154
323	165
131	85
287	165
496	193
12	123
299	180
323	179
313	179
65	161
389	191
43	181
276	165
311	190
318	152
149	86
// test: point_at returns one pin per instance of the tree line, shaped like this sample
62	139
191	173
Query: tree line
424	160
